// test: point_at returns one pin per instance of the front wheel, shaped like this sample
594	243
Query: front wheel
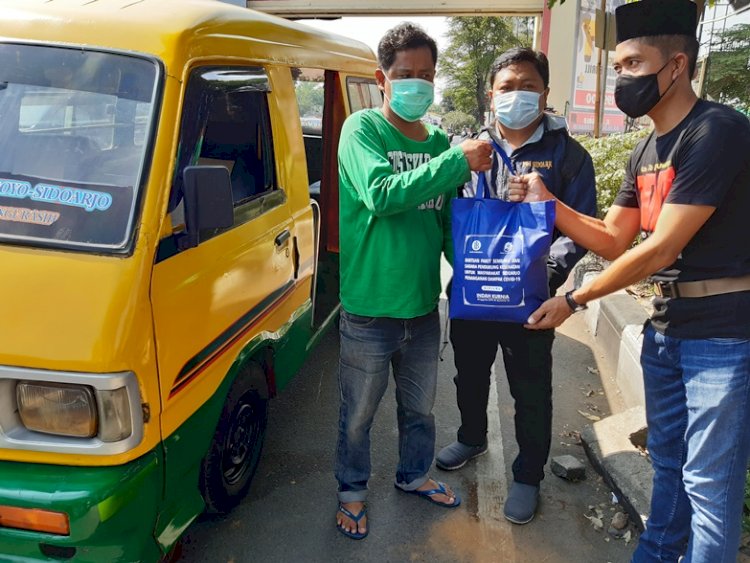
234	454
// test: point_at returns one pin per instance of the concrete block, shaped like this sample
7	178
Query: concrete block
568	467
616	312
591	316
623	310
625	469
592	313
629	375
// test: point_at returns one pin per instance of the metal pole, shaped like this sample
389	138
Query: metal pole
598	100
537	31
605	73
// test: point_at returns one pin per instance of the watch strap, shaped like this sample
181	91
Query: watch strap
575	307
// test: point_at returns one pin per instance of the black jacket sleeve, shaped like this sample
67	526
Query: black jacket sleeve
579	193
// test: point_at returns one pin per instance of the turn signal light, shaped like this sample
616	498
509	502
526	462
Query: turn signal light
35	519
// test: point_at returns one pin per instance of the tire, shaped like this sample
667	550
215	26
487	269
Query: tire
234	454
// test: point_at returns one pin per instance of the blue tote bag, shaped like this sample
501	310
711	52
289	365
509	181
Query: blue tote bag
500	257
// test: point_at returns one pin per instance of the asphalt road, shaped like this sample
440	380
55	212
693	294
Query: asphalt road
288	515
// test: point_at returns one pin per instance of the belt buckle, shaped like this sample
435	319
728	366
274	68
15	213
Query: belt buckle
666	289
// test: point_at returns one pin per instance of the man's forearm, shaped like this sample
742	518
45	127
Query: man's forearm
677	225
590	232
633	266
608	238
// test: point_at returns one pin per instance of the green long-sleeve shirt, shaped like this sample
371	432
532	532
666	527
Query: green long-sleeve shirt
394	214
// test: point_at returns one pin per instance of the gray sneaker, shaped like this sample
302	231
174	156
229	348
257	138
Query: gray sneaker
455	455
521	503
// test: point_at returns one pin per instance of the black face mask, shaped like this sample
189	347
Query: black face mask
637	95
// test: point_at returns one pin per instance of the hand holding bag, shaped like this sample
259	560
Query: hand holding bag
500	257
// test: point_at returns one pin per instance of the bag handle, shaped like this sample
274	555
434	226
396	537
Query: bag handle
506	159
481	192
482	181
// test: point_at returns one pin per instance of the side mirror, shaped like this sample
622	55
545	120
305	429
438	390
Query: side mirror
208	202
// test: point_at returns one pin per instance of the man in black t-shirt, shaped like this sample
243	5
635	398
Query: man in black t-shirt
687	189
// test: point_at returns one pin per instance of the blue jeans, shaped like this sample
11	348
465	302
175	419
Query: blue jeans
698	411
369	346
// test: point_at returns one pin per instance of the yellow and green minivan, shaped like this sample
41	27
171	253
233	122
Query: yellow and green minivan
168	258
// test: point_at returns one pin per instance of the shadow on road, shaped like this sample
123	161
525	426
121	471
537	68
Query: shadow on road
289	512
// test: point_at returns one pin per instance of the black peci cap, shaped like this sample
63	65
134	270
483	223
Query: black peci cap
656	17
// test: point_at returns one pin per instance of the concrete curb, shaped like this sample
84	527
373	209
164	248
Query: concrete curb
616	324
625	469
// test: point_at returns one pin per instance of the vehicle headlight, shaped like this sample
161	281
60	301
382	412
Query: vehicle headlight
73	410
57	408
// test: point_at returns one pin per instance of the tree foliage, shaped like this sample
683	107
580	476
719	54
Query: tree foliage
446	104
728	73
457	121
310	97
474	43
610	155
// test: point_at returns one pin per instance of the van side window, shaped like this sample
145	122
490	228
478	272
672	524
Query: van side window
226	122
309	87
363	93
237	135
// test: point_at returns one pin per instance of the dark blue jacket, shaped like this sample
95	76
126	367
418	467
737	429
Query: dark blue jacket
568	173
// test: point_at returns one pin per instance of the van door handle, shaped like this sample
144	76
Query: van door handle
281	238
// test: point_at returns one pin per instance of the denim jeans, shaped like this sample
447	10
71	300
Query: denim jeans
698	411
369	347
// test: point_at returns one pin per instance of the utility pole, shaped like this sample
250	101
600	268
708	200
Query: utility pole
598	100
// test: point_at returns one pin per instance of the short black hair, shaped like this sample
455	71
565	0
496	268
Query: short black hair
671	44
521	55
404	36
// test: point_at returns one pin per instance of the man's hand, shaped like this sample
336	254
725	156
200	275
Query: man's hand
528	187
551	314
478	154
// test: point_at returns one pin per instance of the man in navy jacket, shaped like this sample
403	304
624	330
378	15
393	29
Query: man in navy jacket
537	141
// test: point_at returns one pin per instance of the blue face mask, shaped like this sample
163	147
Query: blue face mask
517	109
411	97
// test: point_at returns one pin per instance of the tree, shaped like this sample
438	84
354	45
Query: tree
610	155
728	73
447	102
310	98
474	43
457	121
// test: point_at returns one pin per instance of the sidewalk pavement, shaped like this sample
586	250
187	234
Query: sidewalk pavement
615	445
615	323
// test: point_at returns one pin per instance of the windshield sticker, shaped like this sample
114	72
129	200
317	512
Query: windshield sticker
75	197
24	215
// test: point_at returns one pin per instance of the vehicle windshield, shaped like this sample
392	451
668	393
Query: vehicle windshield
74	134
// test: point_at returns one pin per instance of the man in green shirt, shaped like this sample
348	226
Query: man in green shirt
397	176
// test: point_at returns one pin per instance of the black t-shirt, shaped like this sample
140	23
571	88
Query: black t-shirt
705	160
